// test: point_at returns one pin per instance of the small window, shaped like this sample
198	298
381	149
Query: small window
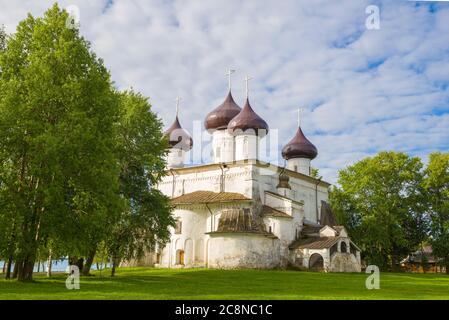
343	247
178	226
296	168
269	229
245	147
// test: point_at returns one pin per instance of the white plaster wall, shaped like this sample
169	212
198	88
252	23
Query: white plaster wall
223	146
285	230
194	227
236	179
301	165
175	158
229	251
246	147
307	253
279	203
327	232
284	192
305	191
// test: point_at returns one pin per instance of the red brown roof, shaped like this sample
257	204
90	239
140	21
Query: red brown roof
208	197
239	220
219	118
314	243
272	212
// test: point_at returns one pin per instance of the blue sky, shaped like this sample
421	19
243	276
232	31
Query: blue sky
363	91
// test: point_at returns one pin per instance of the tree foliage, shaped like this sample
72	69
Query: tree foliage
140	148
75	156
436	185
381	202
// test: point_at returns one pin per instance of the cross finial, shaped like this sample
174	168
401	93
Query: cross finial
177	105
230	71
299	116
247	78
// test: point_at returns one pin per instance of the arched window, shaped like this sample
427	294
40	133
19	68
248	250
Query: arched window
343	247
245	147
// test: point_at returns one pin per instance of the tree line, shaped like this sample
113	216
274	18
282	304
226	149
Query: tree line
392	204
78	158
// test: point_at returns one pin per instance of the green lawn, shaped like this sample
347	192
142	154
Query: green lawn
149	283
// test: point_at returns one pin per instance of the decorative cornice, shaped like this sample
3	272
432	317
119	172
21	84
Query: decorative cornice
248	163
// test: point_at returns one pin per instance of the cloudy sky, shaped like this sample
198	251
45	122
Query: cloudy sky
362	90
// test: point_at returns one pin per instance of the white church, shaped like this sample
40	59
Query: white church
241	212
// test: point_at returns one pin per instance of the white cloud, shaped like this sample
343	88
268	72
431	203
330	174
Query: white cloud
364	90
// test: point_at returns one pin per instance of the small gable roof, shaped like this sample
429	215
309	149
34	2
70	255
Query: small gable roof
268	211
314	243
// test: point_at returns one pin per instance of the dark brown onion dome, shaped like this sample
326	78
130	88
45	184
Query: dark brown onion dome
247	119
299	147
178	137
219	118
283	180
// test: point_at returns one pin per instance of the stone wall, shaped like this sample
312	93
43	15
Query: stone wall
230	251
344	262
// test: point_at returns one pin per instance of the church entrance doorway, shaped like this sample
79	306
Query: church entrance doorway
180	257
316	262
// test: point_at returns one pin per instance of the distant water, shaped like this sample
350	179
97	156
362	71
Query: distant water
56	266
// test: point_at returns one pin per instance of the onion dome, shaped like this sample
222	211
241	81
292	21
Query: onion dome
299	147
178	138
219	118
283	180
247	119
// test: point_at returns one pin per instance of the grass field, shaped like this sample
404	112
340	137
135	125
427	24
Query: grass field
148	283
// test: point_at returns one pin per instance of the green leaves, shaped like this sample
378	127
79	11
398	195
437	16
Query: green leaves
78	161
436	185
380	202
58	111
140	148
